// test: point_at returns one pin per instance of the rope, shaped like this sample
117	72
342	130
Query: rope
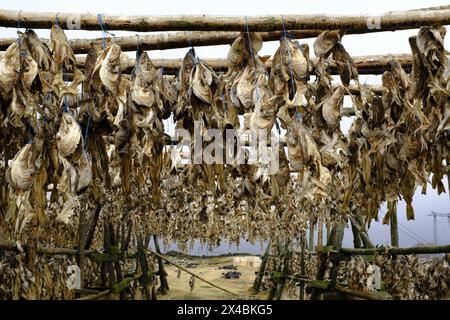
104	30
57	19
18	19
100	22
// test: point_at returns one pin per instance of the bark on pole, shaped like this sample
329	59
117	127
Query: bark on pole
144	23
262	270
161	41
311	237
319	234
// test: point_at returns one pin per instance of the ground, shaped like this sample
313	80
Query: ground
209	269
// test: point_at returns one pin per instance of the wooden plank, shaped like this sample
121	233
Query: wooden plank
399	20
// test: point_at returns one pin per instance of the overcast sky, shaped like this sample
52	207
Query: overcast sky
375	43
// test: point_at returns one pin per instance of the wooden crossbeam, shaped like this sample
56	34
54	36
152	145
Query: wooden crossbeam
145	23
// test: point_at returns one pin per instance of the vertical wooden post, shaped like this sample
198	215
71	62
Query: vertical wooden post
287	253
107	245
164	287
92	225
337	244
302	265
262	270
356	236
144	267
393	223
362	231
319	234
115	242
277	269
334	238
81	244
311	236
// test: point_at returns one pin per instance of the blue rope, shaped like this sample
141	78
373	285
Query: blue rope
138	48
104	32
57	19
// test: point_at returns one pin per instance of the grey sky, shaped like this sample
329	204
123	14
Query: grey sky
375	43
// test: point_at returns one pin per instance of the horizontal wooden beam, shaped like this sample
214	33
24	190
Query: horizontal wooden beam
380	295
371	64
325	285
146	23
386	250
397	251
10	245
162	41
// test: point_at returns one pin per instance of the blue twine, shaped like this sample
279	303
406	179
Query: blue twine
138	48
103	27
57	19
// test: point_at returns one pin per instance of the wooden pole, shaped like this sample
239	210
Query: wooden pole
90	21
95	296
337	243
144	280
370	64
324	285
311	236
392	208
92	226
262	270
302	266
319	233
362	231
287	254
164	287
397	251
356	236
162	41
81	244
